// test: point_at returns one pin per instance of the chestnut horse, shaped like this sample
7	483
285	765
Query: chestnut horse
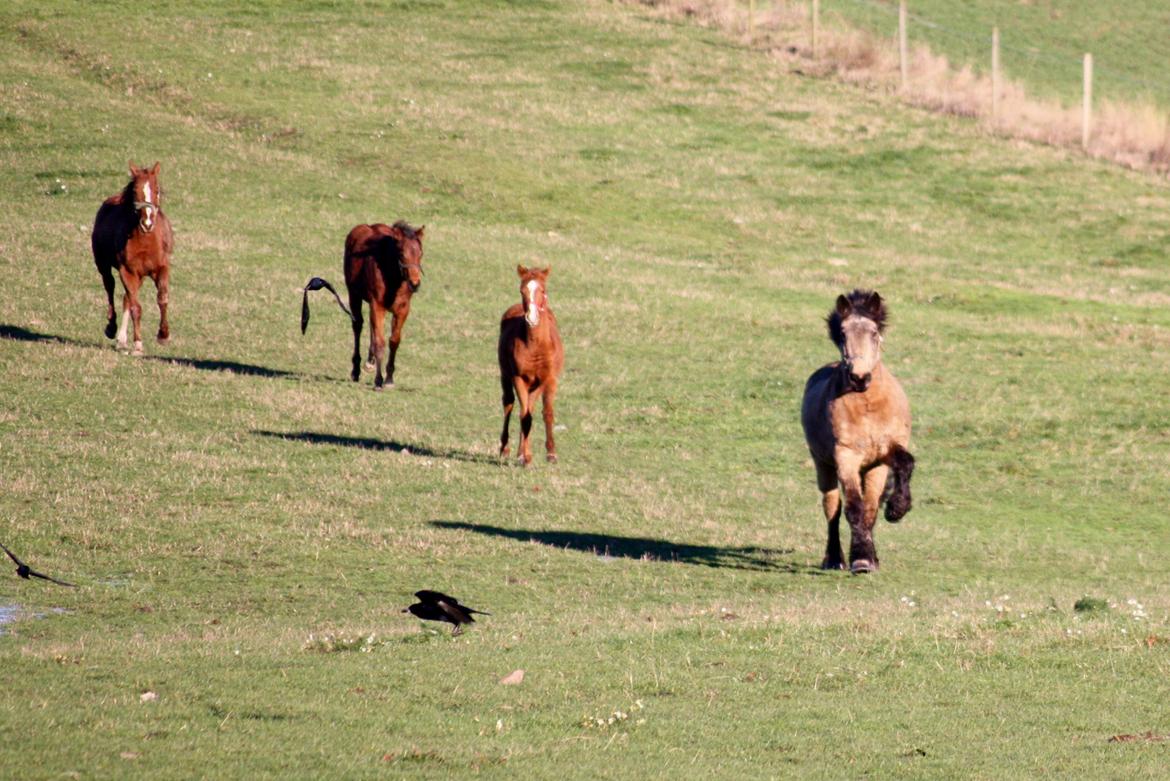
531	359
131	234
383	265
856	421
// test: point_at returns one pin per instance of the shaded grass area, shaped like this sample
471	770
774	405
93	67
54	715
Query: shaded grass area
233	498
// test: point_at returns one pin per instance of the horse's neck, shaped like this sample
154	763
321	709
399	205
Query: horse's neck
542	333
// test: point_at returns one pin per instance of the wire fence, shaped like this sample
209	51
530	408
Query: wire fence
1130	42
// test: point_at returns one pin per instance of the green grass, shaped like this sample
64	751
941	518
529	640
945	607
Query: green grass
246	524
1042	43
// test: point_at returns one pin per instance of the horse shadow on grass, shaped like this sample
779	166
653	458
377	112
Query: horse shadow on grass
19	334
369	443
609	546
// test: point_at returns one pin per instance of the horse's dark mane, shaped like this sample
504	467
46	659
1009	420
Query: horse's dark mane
408	231
859	303
128	195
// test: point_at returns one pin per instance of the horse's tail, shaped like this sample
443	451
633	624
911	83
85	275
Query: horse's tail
898	487
316	283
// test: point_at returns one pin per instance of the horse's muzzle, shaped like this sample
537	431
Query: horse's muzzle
859	384
414	286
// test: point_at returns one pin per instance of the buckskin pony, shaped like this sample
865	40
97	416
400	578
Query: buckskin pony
531	358
856	421
133	235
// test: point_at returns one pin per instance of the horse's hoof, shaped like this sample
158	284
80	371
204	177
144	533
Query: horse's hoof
111	330
377	387
369	366
862	567
552	458
505	451
524	462
833	564
164	340
138	351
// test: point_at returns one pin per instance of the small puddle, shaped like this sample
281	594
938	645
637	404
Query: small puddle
8	614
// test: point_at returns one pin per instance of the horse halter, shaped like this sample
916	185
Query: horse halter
139	206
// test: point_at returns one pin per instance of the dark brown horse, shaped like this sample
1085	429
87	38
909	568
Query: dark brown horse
383	266
856	420
131	234
531	359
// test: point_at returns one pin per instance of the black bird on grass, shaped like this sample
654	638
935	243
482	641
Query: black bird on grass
436	606
25	571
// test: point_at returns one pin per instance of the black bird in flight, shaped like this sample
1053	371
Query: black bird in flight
436	606
25	571
316	283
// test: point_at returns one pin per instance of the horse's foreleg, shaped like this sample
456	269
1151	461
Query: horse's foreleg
550	445
831	504
523	397
111	316
131	311
355	308
862	555
873	485
509	398
398	320
163	283
378	342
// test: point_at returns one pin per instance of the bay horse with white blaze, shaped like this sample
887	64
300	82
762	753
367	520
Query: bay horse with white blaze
133	235
383	266
531	358
856	421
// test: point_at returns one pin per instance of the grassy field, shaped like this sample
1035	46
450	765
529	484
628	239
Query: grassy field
1042	42
246	524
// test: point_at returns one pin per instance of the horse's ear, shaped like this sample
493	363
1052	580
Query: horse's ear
396	233
419	233
155	169
521	270
843	307
874	302
133	169
544	272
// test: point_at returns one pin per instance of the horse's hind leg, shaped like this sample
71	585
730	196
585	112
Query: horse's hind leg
509	399
355	306
831	504
163	283
111	316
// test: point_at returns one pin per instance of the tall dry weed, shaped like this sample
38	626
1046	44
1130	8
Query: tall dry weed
1131	134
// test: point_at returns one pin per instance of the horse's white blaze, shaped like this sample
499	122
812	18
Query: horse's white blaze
148	218
533	315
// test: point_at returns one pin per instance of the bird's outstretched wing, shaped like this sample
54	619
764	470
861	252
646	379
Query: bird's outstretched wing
445	602
36	574
11	555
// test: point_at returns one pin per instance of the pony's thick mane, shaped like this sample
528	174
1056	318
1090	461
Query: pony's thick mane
859	304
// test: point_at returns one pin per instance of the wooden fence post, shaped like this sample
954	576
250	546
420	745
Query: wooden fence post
903	49
1087	103
816	25
995	78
